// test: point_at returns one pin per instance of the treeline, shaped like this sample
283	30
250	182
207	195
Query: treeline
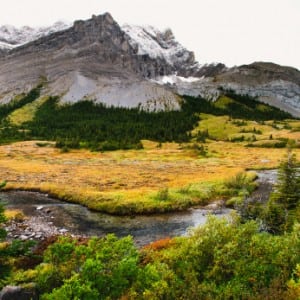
97	127
247	107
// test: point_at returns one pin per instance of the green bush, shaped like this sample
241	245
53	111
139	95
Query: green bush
163	194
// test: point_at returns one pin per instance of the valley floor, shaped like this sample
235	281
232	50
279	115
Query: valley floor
154	179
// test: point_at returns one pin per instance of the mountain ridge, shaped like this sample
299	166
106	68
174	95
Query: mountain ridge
122	66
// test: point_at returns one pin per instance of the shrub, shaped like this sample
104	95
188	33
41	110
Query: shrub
163	194
237	182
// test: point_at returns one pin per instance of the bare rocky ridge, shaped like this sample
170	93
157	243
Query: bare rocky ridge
273	84
124	66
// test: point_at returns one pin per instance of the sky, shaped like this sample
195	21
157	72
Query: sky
233	32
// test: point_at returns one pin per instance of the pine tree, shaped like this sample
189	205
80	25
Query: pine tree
2	218
284	204
287	190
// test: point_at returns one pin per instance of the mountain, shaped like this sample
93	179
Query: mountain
93	59
276	85
128	66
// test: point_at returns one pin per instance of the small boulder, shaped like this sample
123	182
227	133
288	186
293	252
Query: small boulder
10	292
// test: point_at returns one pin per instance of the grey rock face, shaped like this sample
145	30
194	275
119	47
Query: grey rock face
270	83
167	54
17	293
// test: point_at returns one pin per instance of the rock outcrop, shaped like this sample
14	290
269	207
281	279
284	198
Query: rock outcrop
18	293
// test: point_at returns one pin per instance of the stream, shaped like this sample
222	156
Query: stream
47	216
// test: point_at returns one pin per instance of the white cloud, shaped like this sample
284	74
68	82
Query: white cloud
231	31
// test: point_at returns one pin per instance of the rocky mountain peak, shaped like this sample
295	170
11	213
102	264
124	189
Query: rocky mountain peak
161	46
122	65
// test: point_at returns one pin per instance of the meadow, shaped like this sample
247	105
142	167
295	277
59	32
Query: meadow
158	178
126	161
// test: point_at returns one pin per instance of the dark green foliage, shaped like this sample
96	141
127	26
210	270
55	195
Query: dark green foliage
237	138
202	135
99	269
254	130
287	191
100	128
283	207
275	144
239	123
249	210
200	149
223	259
2	220
2	217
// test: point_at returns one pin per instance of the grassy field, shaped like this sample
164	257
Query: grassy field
161	177
158	178
225	128
26	113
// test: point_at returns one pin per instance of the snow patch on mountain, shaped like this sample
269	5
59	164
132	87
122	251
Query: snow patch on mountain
174	79
11	36
5	46
148	40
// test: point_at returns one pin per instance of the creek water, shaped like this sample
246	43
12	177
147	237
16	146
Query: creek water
79	220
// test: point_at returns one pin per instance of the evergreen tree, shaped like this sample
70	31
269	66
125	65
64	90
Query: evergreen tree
287	190
2	218
284	203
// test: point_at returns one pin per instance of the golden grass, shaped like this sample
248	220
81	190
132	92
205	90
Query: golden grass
132	181
129	181
224	128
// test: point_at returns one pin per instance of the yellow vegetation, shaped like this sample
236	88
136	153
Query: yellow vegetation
14	214
124	181
155	178
224	128
26	112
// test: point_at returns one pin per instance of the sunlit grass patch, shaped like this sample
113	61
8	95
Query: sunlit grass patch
14	214
225	128
26	113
